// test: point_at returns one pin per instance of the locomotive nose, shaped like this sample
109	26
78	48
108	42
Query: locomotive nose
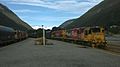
99	37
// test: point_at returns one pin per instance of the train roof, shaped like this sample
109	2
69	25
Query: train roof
4	28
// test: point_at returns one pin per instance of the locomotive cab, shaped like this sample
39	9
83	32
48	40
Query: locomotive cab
95	36
98	36
87	35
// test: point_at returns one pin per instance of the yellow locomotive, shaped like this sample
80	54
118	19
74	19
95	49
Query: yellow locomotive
94	36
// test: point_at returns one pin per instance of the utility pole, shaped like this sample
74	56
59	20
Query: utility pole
43	35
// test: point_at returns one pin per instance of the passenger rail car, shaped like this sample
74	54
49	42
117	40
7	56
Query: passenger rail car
6	35
9	35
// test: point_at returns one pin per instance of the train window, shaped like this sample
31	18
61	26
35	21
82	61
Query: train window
95	30
78	32
86	33
15	32
103	30
90	32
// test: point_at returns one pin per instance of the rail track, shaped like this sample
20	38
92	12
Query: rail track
113	48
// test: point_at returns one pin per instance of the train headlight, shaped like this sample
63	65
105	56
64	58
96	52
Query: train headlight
93	41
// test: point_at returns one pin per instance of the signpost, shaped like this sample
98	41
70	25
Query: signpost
43	35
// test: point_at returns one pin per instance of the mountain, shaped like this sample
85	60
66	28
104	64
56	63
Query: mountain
106	14
66	23
10	19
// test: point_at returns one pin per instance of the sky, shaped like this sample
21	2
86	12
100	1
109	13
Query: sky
49	13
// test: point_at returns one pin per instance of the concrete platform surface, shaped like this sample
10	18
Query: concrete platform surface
61	54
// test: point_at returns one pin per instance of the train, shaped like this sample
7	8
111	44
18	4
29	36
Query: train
91	36
9	35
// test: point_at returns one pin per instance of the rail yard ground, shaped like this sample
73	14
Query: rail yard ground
113	43
60	54
115	39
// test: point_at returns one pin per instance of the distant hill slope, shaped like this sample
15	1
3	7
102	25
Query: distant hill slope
66	23
10	19
106	14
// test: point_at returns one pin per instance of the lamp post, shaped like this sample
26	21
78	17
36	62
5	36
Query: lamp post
43	35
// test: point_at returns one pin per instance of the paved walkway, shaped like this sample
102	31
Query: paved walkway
61	54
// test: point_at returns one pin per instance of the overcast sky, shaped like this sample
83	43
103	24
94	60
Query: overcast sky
49	12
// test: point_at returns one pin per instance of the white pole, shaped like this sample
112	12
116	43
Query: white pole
43	36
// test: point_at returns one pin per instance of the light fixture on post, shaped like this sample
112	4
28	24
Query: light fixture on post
43	35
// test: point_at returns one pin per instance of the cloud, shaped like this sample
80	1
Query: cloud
75	8
49	19
29	1
63	5
25	11
95	1
38	26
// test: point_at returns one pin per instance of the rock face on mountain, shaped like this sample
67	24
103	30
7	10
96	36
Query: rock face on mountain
106	14
10	19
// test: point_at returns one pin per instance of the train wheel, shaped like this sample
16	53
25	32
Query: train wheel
103	46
